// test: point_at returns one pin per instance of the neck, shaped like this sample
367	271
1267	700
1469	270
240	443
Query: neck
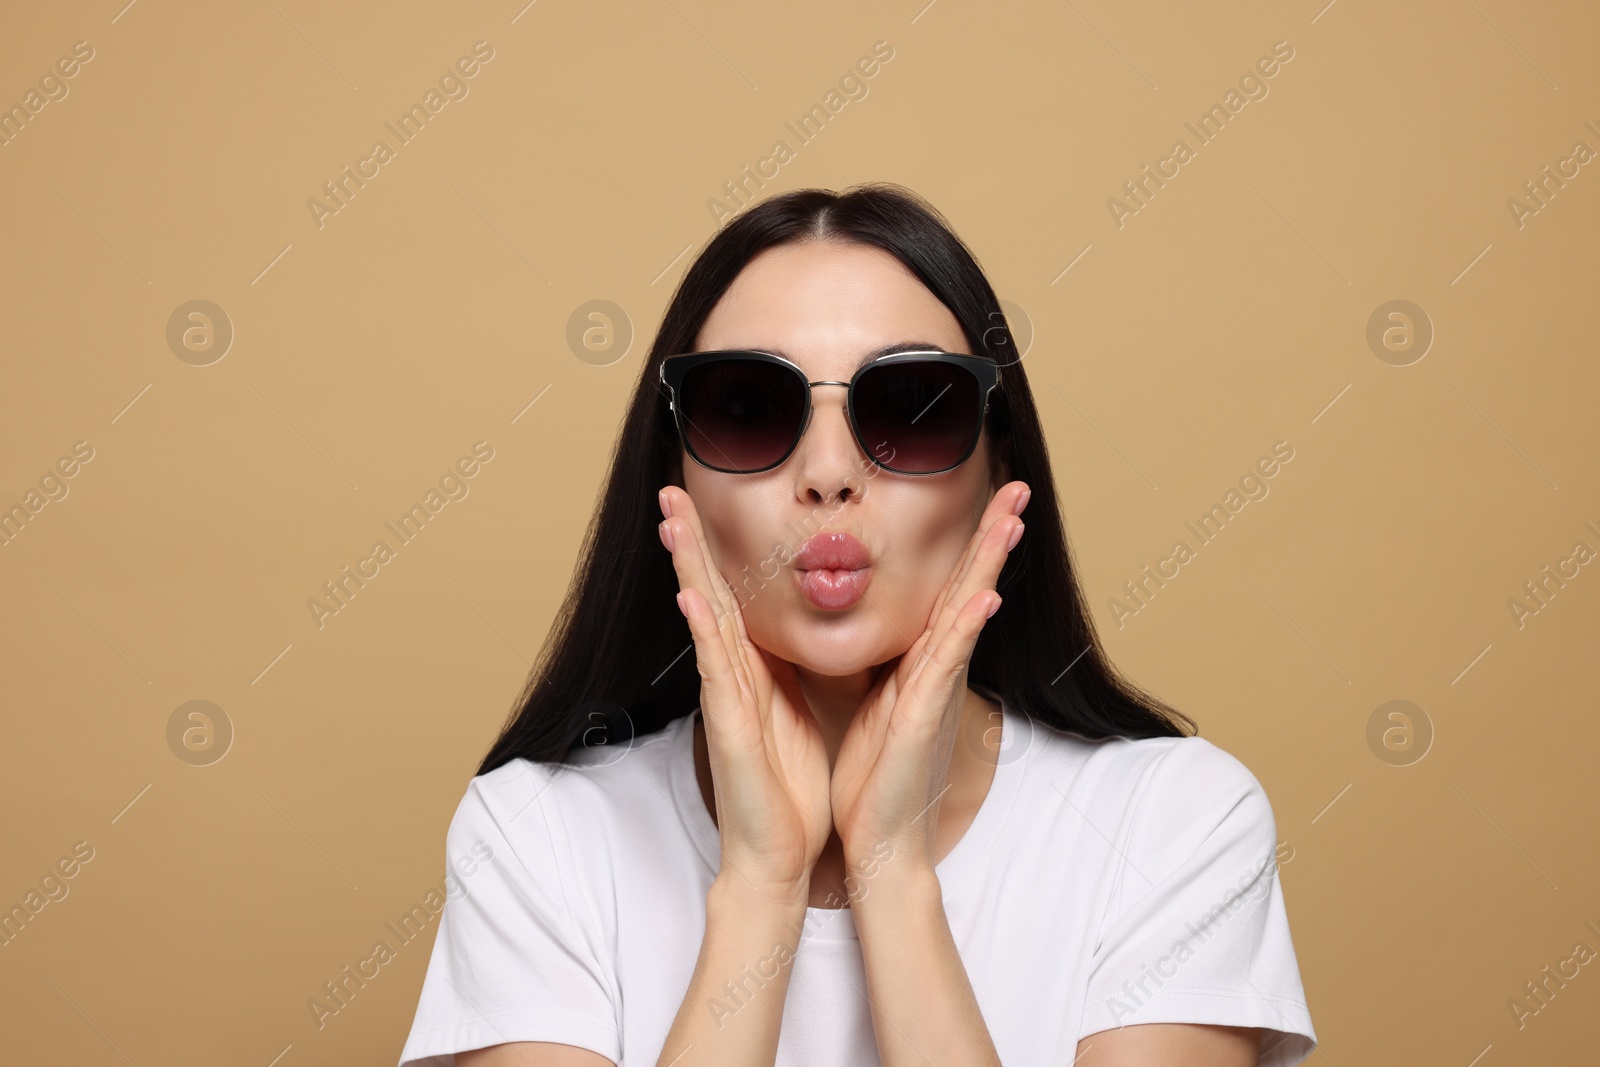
834	699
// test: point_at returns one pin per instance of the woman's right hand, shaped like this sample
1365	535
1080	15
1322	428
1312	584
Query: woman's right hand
769	766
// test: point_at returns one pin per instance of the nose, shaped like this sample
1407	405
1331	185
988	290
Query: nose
828	461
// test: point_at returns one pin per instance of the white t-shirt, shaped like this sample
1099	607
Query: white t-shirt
1101	884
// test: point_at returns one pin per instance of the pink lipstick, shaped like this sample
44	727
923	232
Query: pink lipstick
833	570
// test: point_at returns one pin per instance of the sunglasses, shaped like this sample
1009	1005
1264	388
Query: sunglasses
743	412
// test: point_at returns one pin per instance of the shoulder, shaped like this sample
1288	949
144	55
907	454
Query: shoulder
1193	926
1196	799
1187	773
522	800
1131	769
1161	799
552	830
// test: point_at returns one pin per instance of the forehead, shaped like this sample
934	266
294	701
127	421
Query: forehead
826	305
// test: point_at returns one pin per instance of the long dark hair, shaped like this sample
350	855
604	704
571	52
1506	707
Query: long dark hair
618	662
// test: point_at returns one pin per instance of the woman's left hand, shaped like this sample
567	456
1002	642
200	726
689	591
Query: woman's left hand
894	758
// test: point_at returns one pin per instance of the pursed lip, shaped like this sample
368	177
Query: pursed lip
833	570
837	551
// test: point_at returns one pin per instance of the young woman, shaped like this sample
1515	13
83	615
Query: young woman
897	807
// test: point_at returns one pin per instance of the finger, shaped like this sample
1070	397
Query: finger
720	684
987	552
1004	502
983	569
694	571
734	733
880	699
683	506
1007	501
982	574
757	675
684	523
935	678
728	603
939	618
785	681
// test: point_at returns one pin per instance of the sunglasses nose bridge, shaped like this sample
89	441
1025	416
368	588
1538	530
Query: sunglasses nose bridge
811	408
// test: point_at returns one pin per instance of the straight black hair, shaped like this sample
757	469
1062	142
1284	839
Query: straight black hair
618	663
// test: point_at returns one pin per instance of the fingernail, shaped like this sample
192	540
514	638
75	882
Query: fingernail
684	611
666	505
1022	502
666	535
993	608
1016	535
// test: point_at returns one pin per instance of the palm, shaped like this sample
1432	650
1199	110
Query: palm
863	806
793	794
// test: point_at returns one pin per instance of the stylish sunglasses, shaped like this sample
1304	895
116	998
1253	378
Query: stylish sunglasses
742	412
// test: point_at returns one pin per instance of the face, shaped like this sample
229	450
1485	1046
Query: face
824	306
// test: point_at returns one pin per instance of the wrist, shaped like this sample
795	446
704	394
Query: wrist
869	862
892	873
735	893
907	881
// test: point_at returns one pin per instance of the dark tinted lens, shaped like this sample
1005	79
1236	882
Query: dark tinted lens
918	416
741	414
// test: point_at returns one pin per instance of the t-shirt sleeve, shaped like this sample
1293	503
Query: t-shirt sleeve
512	959
1198	931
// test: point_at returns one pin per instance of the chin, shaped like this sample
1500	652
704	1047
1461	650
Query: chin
832	668
836	651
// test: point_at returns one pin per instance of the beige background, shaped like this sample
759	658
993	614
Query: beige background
369	354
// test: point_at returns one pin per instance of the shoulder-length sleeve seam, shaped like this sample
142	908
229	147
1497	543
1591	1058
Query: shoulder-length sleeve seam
1247	787
564	911
1128	847
586	894
1109	912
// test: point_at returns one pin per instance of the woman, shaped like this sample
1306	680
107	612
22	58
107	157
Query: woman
898	808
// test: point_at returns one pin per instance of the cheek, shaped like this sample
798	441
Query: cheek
726	543
732	526
924	564
925	553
